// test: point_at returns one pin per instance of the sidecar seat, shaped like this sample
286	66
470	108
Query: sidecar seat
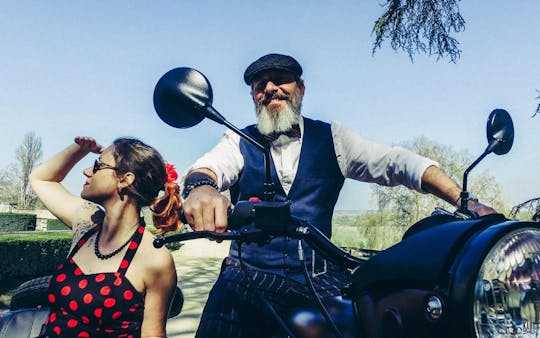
23	323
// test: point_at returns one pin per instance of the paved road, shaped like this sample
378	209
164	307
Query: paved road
197	263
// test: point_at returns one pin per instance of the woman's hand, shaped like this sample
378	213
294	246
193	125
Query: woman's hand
89	144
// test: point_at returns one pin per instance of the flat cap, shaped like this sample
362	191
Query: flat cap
272	61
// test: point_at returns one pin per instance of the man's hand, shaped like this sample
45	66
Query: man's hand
435	181
480	208
206	209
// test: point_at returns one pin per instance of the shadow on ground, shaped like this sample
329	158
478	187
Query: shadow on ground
196	275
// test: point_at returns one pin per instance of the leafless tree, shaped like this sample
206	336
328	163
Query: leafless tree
27	156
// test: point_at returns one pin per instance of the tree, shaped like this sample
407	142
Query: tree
408	206
420	26
537	107
8	186
14	182
530	208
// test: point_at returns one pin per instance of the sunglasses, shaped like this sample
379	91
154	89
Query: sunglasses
100	165
278	80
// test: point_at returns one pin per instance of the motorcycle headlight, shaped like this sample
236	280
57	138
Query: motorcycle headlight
507	289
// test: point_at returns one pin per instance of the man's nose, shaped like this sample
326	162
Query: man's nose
270	87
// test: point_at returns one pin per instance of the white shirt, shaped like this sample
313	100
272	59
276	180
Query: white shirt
358	158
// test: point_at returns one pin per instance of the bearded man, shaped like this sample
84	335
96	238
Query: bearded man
310	160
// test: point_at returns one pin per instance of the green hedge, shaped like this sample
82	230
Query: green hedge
171	246
27	256
56	224
17	222
35	254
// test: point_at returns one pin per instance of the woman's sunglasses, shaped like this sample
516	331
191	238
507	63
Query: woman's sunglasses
100	165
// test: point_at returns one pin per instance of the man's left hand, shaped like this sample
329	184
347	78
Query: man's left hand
480	208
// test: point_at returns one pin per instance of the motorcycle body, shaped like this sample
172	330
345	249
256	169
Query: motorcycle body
448	277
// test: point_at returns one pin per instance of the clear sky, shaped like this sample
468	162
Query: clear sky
89	68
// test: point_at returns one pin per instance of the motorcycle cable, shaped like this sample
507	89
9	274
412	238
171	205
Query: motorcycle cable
316	296
266	303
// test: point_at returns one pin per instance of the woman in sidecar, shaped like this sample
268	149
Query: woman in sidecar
114	283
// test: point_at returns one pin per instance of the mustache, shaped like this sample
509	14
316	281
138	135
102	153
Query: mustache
270	96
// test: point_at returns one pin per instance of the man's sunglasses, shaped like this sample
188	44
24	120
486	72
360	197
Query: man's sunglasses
98	165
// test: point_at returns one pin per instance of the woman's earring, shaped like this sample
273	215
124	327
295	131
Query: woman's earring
119	190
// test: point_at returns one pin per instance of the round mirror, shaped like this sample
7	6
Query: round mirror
500	132
180	96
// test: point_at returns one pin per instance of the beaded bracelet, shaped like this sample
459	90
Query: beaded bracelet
198	183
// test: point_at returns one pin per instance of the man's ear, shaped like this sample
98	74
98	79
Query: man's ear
302	87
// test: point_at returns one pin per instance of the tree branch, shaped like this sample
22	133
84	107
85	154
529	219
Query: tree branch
420	26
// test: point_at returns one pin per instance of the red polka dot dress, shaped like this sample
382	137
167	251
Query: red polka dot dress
95	305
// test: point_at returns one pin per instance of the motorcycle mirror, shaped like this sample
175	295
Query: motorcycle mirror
500	135
183	98
499	132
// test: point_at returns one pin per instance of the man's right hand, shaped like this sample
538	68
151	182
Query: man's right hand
206	209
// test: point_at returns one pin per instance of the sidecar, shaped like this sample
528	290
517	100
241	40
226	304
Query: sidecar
29	309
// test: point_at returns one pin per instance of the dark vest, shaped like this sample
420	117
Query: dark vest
313	195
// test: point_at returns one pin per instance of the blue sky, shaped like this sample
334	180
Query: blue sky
89	68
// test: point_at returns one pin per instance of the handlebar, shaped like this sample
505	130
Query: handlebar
256	221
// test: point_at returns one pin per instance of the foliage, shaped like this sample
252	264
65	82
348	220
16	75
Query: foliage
409	206
372	230
537	107
420	26
17	222
527	210
171	246
32	255
56	224
8	185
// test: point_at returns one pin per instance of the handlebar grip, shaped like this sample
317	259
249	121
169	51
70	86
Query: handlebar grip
242	214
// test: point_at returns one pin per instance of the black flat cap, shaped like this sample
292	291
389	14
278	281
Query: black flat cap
272	61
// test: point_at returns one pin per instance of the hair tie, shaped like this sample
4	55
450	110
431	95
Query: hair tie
172	175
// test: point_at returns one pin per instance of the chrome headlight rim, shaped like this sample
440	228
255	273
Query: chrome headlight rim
466	268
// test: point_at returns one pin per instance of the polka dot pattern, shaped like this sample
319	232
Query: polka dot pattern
89	305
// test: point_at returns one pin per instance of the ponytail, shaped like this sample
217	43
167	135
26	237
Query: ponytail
166	209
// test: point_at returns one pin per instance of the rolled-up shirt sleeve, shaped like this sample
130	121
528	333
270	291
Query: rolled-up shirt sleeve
365	160
225	160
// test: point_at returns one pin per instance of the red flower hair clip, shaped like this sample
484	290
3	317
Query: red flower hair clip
172	175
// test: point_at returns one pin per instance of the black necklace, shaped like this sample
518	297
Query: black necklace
115	252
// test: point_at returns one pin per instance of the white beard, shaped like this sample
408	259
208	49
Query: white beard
279	120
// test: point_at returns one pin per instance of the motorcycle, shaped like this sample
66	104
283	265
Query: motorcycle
454	274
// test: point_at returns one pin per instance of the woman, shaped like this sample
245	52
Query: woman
114	282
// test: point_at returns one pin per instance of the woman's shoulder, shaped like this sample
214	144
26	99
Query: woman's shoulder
86	217
155	259
88	213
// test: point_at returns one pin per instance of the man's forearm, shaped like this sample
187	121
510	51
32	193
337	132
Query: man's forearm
436	182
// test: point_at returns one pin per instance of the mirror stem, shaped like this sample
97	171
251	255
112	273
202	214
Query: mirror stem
464	194
269	191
